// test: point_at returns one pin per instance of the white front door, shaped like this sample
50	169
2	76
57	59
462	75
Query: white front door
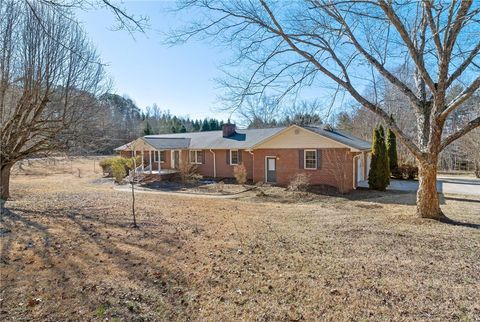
360	176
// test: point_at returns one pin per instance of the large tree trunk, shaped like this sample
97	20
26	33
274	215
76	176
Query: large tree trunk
428	205
4	184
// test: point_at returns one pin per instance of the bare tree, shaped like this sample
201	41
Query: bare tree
49	78
350	44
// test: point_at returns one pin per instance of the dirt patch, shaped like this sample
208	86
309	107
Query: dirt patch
68	251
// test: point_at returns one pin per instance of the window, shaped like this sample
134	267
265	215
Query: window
310	159
163	155
196	156
233	157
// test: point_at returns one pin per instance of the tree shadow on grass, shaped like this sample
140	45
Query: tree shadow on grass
136	254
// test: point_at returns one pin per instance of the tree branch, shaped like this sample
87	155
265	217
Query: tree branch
467	128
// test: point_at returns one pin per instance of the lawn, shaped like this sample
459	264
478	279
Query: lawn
69	252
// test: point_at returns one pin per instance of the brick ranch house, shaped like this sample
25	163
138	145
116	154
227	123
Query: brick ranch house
271	155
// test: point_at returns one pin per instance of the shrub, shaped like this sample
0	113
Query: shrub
299	182
392	150
106	165
379	175
188	171
405	171
109	164
118	171
240	173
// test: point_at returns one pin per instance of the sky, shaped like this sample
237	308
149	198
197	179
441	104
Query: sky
177	78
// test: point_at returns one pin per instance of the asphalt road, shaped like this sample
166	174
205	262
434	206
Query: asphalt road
461	185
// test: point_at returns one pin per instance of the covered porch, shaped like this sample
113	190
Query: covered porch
158	156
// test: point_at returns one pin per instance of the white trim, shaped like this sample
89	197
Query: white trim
266	167
238	156
172	158
214	164
150	160
354	174
305	159
196	156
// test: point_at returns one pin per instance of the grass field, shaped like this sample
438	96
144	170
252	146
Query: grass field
69	253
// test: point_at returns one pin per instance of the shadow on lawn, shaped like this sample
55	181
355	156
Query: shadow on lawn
137	253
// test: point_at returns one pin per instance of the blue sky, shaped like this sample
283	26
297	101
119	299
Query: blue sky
178	78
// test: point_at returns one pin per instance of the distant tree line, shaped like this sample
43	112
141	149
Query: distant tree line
119	120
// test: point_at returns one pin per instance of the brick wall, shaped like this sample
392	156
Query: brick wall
336	167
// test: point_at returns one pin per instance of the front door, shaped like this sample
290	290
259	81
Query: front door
176	159
271	163
360	169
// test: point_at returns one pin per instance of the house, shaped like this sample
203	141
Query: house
271	155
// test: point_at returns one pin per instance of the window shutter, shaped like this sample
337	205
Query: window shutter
240	156
300	159
203	156
319	159
228	156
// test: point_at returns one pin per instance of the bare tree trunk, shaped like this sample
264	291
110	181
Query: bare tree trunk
133	205
428	205
4	184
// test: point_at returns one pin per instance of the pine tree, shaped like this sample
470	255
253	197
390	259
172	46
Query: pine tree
379	175
183	129
392	150
148	129
205	126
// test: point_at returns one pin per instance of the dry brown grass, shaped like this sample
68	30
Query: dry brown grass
68	252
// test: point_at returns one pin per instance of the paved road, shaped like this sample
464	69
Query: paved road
462	185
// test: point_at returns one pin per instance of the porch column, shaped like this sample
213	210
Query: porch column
143	167
150	160
159	167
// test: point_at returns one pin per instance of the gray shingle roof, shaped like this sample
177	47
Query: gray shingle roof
168	142
342	137
242	139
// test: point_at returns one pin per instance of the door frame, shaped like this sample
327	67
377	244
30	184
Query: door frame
172	157
266	167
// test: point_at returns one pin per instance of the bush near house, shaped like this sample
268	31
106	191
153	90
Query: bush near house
240	173
188	172
299	182
118	167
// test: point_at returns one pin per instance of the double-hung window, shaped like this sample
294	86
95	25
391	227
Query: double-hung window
310	157
196	156
234	157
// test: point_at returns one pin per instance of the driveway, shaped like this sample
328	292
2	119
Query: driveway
462	185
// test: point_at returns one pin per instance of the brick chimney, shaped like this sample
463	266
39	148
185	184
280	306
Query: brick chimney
228	130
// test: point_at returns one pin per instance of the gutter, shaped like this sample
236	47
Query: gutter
214	164
253	162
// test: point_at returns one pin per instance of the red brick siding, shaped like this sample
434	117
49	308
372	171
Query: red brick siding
336	169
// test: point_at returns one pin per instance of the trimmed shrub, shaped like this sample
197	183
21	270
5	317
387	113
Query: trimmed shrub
392	150
240	173
405	171
299	182
379	175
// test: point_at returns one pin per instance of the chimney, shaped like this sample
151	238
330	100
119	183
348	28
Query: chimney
228	129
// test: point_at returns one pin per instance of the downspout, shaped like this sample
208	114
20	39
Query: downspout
214	164
253	163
